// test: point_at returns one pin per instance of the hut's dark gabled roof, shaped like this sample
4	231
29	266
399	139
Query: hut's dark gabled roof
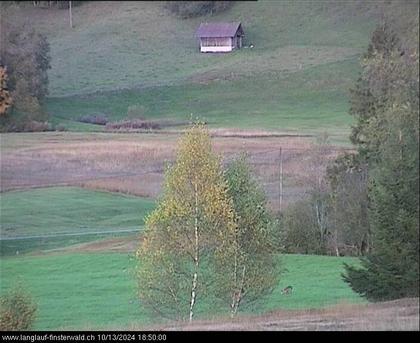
218	29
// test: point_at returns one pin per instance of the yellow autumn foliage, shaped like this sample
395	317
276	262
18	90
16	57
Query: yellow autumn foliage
5	98
192	225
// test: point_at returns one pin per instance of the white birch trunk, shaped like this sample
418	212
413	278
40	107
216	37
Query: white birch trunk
193	295
196	257
232	305
239	294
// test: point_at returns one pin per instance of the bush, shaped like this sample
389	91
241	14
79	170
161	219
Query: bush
56	4
60	127
132	124
17	310
36	126
97	119
65	4
24	126
190	9
299	230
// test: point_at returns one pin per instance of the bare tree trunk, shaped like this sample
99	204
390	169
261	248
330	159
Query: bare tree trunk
337	253
319	220
239	294
70	15
400	141
196	259
235	268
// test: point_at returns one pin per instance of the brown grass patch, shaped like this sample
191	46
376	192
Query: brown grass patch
135	163
400	315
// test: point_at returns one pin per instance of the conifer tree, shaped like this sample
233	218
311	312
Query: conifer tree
387	135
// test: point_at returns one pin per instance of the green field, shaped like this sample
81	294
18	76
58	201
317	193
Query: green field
59	211
292	103
296	78
123	45
99	290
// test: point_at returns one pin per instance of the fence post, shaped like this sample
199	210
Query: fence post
281	180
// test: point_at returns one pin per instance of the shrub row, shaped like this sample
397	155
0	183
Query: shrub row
133	124
97	119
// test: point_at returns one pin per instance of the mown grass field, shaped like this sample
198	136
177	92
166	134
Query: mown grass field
79	287
64	211
99	290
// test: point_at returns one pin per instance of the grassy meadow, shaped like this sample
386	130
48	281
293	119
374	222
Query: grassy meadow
66	209
63	213
76	291
139	44
87	281
296	78
293	104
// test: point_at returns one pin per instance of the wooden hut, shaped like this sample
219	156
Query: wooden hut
220	37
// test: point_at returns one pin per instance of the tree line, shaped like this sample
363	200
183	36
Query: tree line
368	204
385	103
190	9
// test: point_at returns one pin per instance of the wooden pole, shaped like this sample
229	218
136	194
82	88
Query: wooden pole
70	15
281	180
400	141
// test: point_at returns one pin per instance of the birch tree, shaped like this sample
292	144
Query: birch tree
249	269
190	229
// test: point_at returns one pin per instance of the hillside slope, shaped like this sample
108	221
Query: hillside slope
295	78
118	45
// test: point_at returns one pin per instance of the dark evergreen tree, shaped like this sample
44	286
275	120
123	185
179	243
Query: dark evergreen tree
374	90
387	135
